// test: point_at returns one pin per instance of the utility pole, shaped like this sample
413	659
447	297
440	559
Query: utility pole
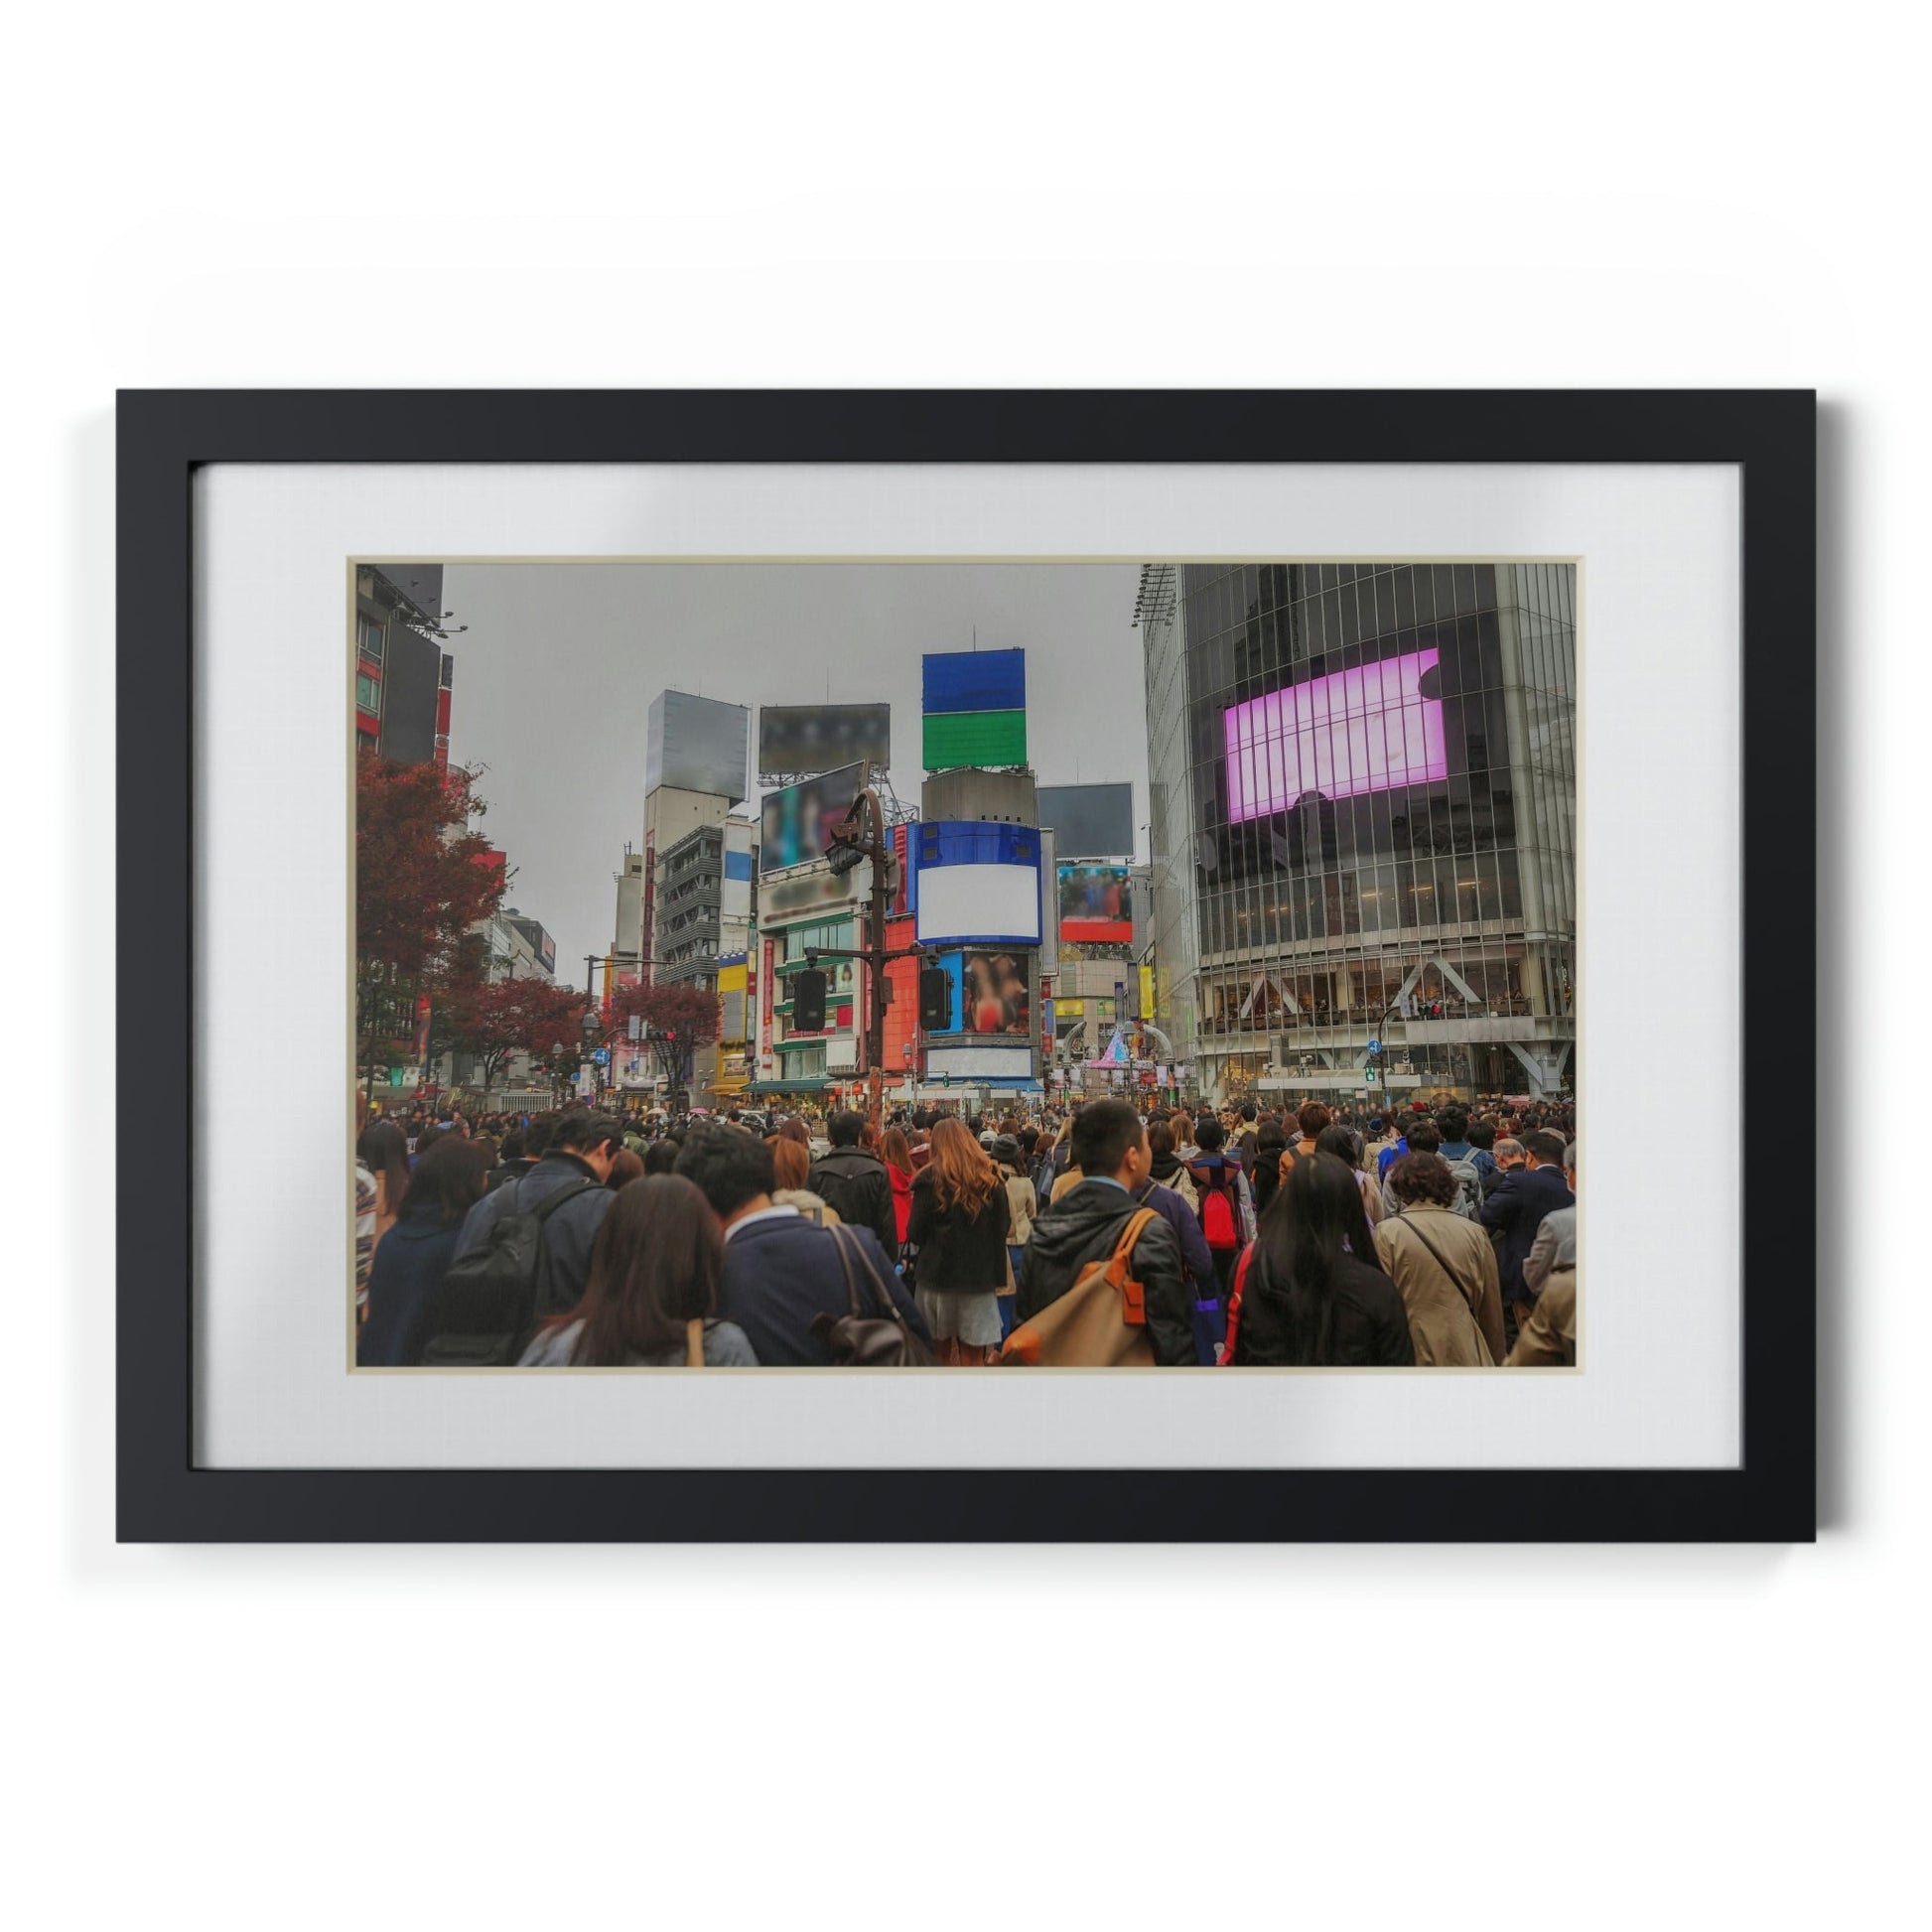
862	834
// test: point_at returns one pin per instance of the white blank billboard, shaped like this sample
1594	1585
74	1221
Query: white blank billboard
979	903
980	1062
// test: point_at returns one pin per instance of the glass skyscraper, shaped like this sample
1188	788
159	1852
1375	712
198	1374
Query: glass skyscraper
1363	824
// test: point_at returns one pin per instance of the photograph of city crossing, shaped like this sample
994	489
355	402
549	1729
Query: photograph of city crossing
1051	965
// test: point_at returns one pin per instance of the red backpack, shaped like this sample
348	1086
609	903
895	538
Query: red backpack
1219	1220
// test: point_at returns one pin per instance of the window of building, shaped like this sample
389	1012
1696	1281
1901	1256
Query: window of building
369	638
368	691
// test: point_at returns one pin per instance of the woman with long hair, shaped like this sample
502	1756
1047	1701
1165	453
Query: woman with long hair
792	1170
447	1183
1347	1146
958	1225
1310	1291
1270	1143
383	1149
896	1152
655	1287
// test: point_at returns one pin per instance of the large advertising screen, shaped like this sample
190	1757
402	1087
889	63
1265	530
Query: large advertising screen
818	736
796	823
698	745
1089	821
1351	732
978	881
1096	904
992	991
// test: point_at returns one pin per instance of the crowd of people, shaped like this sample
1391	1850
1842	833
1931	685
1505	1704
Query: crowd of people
1101	1236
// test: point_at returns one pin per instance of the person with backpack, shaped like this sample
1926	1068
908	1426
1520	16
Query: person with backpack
656	1288
1313	1120
576	1165
1227	1216
412	1263
1077	1242
1443	1266
853	1181
1179	1208
1309	1291
1482	1153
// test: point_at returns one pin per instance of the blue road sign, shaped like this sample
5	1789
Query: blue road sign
1375	1047
602	1056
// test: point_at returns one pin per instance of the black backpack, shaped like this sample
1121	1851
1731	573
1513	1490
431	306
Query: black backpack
486	1306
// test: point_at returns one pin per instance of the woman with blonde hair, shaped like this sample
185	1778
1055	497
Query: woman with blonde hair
958	1225
791	1167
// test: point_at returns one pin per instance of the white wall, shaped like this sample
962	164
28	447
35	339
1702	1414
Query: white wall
1486	195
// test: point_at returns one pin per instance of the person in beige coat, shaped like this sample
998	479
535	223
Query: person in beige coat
1444	1267
1548	1339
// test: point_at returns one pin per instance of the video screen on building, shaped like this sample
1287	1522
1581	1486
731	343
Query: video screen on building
796	823
1096	904
1089	821
992	991
1361	730
820	737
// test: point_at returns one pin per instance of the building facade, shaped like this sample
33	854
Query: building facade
704	902
1363	791
403	675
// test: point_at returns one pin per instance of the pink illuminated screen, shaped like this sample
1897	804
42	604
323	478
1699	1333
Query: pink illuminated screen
1351	732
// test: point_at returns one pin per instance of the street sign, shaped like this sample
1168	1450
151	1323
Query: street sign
602	1056
635	1027
1375	1047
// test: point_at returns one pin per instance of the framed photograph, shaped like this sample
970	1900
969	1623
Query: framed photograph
934	966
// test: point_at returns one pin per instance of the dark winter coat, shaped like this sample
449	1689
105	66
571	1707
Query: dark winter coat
1369	1328
409	1269
855	1186
1083	1226
958	1250
781	1272
568	1234
1513	1212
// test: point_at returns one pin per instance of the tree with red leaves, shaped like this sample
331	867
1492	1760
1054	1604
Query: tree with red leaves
678	1017
494	1023
423	880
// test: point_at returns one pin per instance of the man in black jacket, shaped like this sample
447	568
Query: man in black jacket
1110	1149
854	1184
1515	1207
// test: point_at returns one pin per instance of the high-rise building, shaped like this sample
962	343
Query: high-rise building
1362	783
697	768
403	672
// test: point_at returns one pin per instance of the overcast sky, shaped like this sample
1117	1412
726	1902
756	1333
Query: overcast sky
555	675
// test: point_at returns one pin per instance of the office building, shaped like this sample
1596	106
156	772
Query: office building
403	672
1363	791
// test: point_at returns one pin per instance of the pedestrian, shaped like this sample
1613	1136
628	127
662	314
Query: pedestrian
1247	1136
1555	1245
781	1270
1309	1291
365	1199
960	1225
791	1170
1271	1141
1181	1213
1482	1153
660	1155
447	1183
1165	1166
579	1156
1110	1147
852	1180
1443	1266
1515	1209
536	1139
383	1151
1313	1120
1347	1146
626	1166
655	1290
1227	1215
1058	1163
896	1150
1023	1205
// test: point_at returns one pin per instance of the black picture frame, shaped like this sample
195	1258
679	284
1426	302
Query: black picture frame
163	436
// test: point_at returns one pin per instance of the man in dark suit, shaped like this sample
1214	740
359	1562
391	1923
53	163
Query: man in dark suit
1515	1207
780	1269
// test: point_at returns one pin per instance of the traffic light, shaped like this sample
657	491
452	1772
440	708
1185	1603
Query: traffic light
808	1001
843	859
1371	1075
935	999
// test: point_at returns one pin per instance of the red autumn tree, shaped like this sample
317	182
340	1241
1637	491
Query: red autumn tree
678	1017
423	880
529	1016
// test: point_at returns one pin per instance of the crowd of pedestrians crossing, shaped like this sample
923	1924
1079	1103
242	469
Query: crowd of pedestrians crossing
1105	1236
